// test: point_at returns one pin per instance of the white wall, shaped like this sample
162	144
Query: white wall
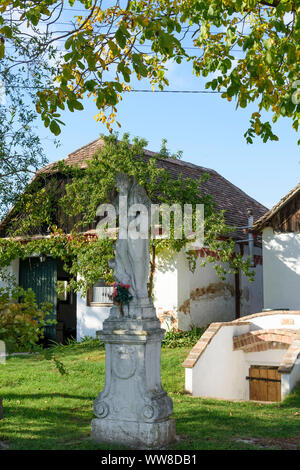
276	321
12	269
252	292
211	299
201	297
281	253
288	381
220	372
89	319
165	288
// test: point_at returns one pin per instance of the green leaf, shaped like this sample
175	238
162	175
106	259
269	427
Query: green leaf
7	31
77	105
269	58
2	49
34	20
120	38
68	42
118	86
90	85
54	128
68	56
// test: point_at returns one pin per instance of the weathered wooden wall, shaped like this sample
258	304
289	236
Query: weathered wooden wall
287	219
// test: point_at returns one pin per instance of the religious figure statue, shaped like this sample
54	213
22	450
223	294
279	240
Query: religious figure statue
133	409
132	258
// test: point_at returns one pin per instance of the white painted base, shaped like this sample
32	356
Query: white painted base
134	434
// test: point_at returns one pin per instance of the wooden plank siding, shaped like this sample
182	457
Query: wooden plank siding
287	219
57	184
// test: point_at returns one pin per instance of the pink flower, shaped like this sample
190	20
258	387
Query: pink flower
127	286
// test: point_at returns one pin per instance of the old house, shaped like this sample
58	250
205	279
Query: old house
182	298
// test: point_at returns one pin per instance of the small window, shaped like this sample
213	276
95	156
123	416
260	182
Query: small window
100	294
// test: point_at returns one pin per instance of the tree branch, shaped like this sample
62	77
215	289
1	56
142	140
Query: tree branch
273	4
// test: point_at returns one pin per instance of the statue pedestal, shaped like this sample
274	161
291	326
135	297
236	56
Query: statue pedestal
133	409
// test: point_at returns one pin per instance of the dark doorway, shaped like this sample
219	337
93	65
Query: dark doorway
42	275
66	307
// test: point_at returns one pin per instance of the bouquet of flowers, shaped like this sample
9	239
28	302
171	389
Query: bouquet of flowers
121	294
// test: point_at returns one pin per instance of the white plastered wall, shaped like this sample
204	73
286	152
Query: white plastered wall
210	299
281	269
252	292
201	297
288	381
166	284
220	372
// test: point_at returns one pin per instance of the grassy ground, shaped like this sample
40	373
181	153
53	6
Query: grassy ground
43	410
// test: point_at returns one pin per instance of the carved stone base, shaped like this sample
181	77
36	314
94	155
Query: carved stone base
133	408
134	434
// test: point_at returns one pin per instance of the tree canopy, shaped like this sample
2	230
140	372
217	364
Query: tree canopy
248	50
21	150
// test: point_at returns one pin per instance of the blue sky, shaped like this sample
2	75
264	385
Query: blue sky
206	128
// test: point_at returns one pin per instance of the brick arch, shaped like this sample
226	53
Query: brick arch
261	340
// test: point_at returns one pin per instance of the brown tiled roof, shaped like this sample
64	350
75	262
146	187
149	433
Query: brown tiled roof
227	196
261	223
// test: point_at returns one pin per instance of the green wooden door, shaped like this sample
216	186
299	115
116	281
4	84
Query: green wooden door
41	277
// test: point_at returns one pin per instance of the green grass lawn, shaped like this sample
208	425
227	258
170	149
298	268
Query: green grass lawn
44	410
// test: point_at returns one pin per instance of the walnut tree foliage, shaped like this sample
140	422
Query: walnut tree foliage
103	52
21	151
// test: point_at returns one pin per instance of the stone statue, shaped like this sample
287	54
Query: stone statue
132	258
133	409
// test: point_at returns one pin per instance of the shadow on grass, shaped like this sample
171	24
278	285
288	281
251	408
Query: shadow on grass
211	424
40	426
203	424
17	396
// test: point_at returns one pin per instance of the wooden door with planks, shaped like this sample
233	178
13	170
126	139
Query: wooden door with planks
264	383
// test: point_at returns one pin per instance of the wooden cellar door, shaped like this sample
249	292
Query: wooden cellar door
264	383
